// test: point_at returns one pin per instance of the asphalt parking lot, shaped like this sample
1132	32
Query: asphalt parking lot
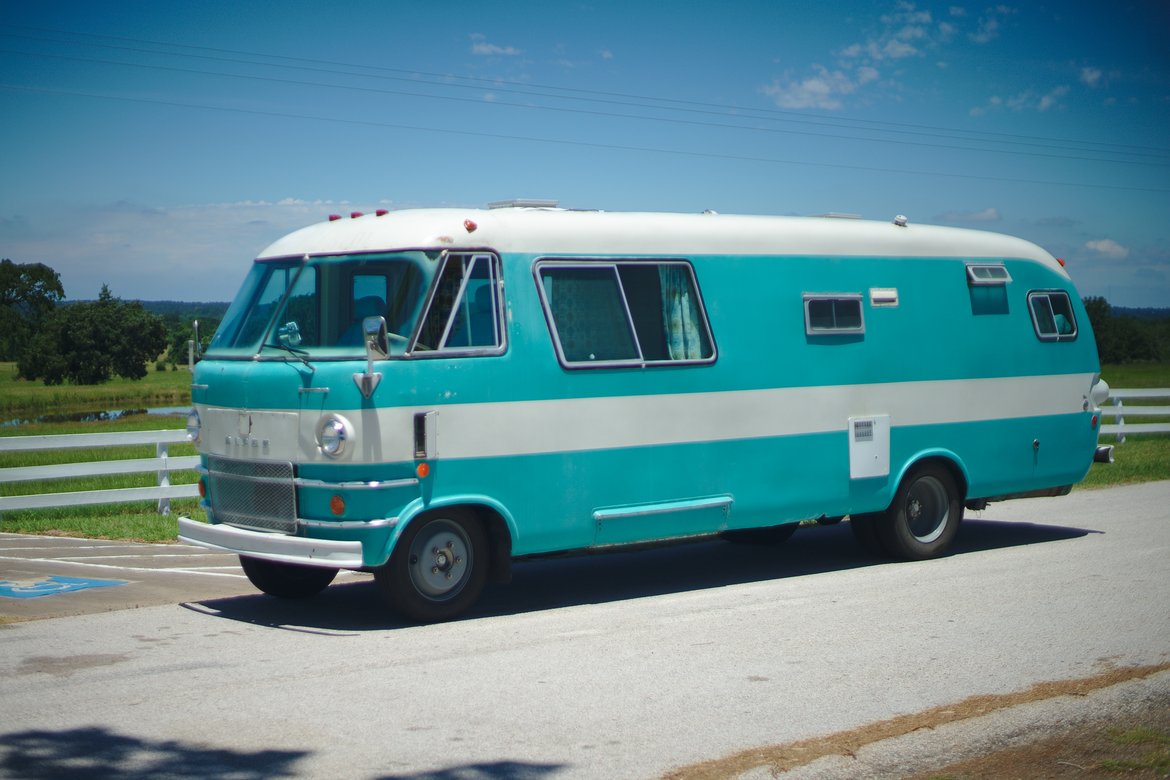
47	577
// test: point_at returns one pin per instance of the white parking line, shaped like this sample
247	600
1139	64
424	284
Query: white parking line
83	562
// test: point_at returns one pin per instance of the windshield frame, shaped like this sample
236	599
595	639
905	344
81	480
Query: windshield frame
407	274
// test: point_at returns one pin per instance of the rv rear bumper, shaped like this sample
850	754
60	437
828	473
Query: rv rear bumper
272	547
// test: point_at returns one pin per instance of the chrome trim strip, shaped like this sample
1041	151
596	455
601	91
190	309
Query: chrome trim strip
384	522
320	483
270	546
661	508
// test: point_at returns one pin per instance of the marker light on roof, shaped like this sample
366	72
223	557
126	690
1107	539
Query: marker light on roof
354	214
470	226
334	217
1061	261
381	212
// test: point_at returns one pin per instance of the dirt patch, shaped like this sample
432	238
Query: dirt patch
782	758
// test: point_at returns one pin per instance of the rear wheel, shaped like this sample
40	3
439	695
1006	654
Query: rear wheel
286	580
924	516
438	568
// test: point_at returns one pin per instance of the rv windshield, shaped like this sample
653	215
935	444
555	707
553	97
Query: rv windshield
314	307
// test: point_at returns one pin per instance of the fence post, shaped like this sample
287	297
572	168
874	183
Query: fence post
1120	423
164	478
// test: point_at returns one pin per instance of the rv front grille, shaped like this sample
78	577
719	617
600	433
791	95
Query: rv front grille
253	494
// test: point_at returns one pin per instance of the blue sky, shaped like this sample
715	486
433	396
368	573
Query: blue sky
157	147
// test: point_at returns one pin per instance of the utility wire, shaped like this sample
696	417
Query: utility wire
585	144
522	88
577	111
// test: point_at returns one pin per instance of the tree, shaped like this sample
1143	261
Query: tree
88	342
182	332
28	293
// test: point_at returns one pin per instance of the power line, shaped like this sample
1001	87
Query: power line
577	111
597	96
584	144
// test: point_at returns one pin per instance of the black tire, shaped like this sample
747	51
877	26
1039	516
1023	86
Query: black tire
772	535
924	516
438	568
287	580
864	528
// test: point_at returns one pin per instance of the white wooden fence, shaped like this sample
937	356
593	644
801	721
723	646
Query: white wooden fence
162	464
1120	410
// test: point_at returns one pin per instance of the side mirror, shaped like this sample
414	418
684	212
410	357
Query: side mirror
377	342
377	348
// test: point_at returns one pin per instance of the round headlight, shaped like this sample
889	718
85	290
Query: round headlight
194	425
333	434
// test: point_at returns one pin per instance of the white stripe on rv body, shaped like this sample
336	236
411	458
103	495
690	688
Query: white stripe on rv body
552	232
483	430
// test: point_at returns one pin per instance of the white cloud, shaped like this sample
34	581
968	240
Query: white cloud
823	90
1052	98
1029	100
481	47
1091	77
606	54
989	24
197	252
1107	247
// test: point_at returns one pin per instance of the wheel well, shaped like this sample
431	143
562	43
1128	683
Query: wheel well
499	542
950	465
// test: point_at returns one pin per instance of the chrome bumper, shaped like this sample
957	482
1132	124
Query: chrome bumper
272	546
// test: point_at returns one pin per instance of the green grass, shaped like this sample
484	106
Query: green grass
1155	757
21	399
1140	459
1133	375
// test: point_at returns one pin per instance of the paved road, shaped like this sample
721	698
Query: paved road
611	666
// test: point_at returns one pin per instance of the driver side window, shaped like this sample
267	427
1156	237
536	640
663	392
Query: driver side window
464	314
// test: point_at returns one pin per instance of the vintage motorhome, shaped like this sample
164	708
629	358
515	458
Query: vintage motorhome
428	394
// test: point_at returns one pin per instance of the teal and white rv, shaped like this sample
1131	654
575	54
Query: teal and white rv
430	394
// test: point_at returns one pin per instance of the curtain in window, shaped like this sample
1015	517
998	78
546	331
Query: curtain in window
680	314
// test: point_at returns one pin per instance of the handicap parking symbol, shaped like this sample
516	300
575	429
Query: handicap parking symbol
32	589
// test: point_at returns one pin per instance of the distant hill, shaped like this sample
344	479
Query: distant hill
1141	314
186	311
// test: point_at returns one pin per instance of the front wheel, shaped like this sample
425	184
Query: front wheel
924	516
438	568
286	580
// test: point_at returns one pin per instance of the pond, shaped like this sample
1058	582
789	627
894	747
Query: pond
95	416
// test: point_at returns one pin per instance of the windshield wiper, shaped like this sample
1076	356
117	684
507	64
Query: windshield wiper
299	354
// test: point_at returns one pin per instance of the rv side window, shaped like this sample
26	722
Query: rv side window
464	311
626	313
833	314
1052	316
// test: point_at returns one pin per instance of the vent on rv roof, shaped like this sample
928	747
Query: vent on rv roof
980	275
522	203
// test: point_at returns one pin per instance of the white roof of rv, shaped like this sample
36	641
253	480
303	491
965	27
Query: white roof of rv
547	231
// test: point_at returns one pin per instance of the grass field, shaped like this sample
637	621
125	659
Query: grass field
1140	459
21	399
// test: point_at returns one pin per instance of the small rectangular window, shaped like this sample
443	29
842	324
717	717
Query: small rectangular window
1052	315
625	313
987	275
833	314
